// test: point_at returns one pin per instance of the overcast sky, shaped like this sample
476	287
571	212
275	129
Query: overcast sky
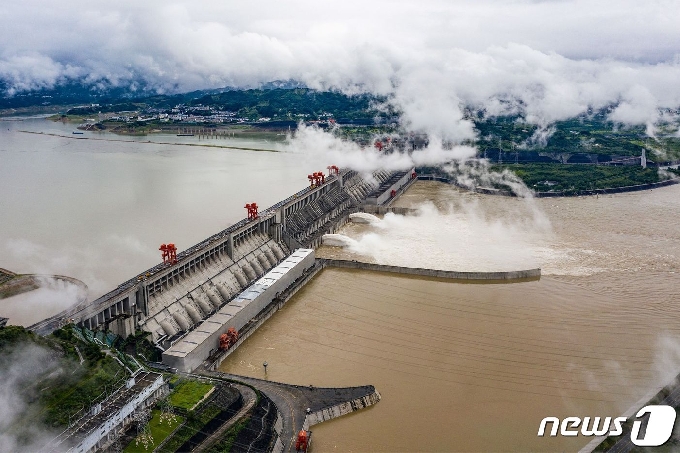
547	59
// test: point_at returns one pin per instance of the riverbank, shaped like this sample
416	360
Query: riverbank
206	145
554	193
253	130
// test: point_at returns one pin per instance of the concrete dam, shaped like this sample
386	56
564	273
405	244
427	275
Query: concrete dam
171	299
238	277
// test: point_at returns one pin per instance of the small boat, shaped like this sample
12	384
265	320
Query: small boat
185	135
77	133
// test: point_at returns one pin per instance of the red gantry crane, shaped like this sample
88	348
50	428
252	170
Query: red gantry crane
169	253
316	179
252	210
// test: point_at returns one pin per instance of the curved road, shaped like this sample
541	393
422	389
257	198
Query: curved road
249	400
292	401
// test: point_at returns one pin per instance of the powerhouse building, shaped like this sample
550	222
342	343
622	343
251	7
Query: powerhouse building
189	351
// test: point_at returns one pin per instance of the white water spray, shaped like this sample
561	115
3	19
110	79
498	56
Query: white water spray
364	217
338	240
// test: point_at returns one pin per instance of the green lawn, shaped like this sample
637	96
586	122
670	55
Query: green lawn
159	431
188	393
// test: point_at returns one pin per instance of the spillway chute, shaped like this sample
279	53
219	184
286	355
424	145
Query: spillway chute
241	279
248	270
270	256
214	299
181	321
223	291
168	328
203	304
193	313
263	261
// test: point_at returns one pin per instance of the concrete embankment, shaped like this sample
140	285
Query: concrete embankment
321	414
382	210
668	395
528	274
635	188
329	413
300	407
605	191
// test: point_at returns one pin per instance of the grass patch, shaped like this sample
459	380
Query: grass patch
188	393
159	431
194	424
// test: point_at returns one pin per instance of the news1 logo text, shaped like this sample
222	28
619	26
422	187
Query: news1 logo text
660	422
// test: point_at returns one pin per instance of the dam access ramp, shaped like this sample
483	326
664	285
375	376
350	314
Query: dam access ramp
171	299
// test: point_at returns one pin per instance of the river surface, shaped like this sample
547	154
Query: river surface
97	206
460	367
475	367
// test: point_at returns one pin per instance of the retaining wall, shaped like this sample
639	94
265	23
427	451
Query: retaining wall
341	409
382	210
490	191
635	188
510	275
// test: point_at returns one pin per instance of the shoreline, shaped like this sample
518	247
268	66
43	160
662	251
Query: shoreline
79	137
563	194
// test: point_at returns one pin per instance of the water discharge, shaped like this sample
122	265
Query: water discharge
364	217
339	240
476	367
460	237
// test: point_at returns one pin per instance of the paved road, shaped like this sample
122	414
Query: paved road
292	401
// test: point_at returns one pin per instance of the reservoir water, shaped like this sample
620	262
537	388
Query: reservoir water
97	206
466	367
475	367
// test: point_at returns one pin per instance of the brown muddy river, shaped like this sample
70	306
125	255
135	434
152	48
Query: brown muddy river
475	367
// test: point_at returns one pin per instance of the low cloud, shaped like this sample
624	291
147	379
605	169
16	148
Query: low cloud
544	60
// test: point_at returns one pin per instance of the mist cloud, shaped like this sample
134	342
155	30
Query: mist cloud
461	237
545	60
19	370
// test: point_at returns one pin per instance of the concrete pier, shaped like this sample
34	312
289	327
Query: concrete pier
300	407
489	277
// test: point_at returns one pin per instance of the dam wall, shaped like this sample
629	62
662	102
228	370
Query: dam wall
170	300
635	188
388	189
528	274
192	349
216	360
